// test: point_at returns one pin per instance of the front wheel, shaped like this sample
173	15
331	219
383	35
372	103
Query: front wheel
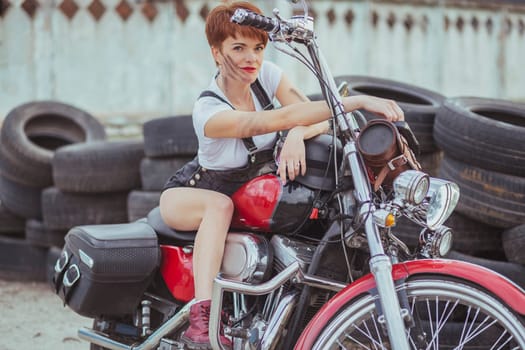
449	314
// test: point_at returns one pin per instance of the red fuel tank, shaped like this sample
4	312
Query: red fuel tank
265	205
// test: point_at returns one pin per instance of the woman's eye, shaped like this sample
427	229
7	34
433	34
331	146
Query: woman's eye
260	48
237	48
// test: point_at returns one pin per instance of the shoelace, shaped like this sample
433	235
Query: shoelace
205	314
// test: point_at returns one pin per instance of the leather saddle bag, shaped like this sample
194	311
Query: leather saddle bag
387	149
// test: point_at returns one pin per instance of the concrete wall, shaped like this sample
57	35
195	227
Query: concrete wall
139	60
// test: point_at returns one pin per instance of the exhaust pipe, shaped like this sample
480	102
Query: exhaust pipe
100	339
152	342
278	321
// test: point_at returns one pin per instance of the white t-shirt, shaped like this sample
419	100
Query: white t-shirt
230	153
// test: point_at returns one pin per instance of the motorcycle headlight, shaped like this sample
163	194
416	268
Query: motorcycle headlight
443	241
444	196
411	186
436	243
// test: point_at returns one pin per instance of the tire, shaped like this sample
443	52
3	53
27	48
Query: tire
16	171
356	325
514	272
486	133
170	137
514	244
489	197
475	238
10	223
62	211
20	261
38	234
20	199
430	162
33	131
419	105
140	203
469	236
155	172
98	167
52	256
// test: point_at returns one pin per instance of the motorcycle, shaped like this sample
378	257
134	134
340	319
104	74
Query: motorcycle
312	264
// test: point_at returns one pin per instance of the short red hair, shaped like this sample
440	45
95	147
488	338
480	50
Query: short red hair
219	26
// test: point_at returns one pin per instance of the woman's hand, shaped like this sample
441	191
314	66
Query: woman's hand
292	159
386	108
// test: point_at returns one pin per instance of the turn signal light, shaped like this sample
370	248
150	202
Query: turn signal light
384	218
390	220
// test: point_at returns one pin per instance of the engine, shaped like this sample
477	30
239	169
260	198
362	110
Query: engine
286	251
249	257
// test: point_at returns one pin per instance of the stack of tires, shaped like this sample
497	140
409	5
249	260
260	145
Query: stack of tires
58	170
169	143
484	153
91	183
477	143
31	134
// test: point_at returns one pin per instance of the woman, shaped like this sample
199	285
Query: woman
197	196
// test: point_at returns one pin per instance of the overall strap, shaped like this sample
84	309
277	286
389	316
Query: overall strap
263	99
208	93
261	95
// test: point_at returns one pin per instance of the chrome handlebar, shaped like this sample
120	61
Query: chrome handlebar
298	28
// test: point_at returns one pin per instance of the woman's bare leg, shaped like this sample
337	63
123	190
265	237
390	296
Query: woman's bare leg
209	213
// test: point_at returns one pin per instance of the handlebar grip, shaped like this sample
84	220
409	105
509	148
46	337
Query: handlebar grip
252	19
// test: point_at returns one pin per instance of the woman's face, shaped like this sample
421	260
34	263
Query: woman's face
240	58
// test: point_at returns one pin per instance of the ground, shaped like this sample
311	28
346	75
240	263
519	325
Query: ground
32	317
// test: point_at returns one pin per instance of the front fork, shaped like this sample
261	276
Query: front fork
380	263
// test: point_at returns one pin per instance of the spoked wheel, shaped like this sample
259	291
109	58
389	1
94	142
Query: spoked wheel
449	314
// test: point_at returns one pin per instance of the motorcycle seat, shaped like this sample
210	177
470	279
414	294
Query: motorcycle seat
164	232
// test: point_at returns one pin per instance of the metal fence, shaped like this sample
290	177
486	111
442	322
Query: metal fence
143	59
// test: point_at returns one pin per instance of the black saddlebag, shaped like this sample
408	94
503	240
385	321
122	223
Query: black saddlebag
105	269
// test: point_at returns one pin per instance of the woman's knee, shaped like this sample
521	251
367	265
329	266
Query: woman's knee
220	204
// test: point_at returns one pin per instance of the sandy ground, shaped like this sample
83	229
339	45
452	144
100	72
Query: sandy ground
32	317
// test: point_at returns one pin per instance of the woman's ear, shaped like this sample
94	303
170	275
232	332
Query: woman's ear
215	52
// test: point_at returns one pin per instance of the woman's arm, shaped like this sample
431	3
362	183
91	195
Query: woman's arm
239	124
292	158
297	110
288	94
